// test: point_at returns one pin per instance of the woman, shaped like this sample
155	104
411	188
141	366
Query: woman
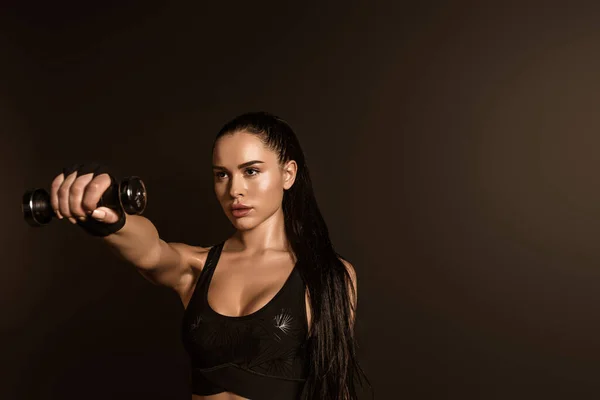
269	312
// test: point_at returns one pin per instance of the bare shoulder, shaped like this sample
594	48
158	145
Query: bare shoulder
193	259
351	271
352	289
177	265
192	256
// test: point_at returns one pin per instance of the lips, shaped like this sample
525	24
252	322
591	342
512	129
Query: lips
239	207
240	211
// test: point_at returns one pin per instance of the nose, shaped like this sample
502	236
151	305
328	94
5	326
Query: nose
237	187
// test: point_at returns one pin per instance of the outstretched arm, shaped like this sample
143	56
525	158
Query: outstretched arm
162	263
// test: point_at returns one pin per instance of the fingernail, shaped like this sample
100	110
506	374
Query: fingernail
72	220
99	214
82	218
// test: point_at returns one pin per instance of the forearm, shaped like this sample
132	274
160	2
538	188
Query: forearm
137	242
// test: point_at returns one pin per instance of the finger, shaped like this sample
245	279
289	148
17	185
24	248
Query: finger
94	191
106	215
54	194
70	169
76	192
92	167
63	196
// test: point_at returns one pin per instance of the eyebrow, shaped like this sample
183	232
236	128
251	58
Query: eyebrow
246	164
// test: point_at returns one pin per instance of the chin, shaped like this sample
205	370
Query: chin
244	227
242	223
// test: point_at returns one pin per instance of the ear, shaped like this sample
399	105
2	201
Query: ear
289	174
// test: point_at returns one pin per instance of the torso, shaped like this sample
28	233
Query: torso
240	286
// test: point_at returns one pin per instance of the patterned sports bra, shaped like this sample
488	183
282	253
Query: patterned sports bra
260	356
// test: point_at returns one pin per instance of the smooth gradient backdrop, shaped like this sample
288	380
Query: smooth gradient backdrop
453	148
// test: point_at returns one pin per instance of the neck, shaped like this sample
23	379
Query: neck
268	235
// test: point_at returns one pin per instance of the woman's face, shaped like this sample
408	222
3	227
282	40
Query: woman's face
248	173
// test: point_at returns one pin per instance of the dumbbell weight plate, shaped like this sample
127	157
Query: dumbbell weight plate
36	207
132	195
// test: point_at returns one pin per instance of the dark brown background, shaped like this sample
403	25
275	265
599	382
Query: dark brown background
454	152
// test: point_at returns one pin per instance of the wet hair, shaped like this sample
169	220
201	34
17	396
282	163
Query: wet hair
334	371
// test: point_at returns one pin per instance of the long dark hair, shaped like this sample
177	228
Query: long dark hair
334	369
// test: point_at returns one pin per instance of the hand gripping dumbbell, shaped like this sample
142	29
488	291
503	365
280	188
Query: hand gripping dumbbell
129	194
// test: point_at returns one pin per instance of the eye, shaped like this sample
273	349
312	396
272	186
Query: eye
256	172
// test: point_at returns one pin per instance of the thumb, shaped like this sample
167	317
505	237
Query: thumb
105	214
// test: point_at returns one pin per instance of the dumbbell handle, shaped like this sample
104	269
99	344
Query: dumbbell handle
129	194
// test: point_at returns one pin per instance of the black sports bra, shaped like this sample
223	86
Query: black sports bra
260	356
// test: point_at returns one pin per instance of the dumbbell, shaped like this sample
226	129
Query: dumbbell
128	194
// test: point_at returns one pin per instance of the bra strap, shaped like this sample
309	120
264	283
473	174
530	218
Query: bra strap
213	254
